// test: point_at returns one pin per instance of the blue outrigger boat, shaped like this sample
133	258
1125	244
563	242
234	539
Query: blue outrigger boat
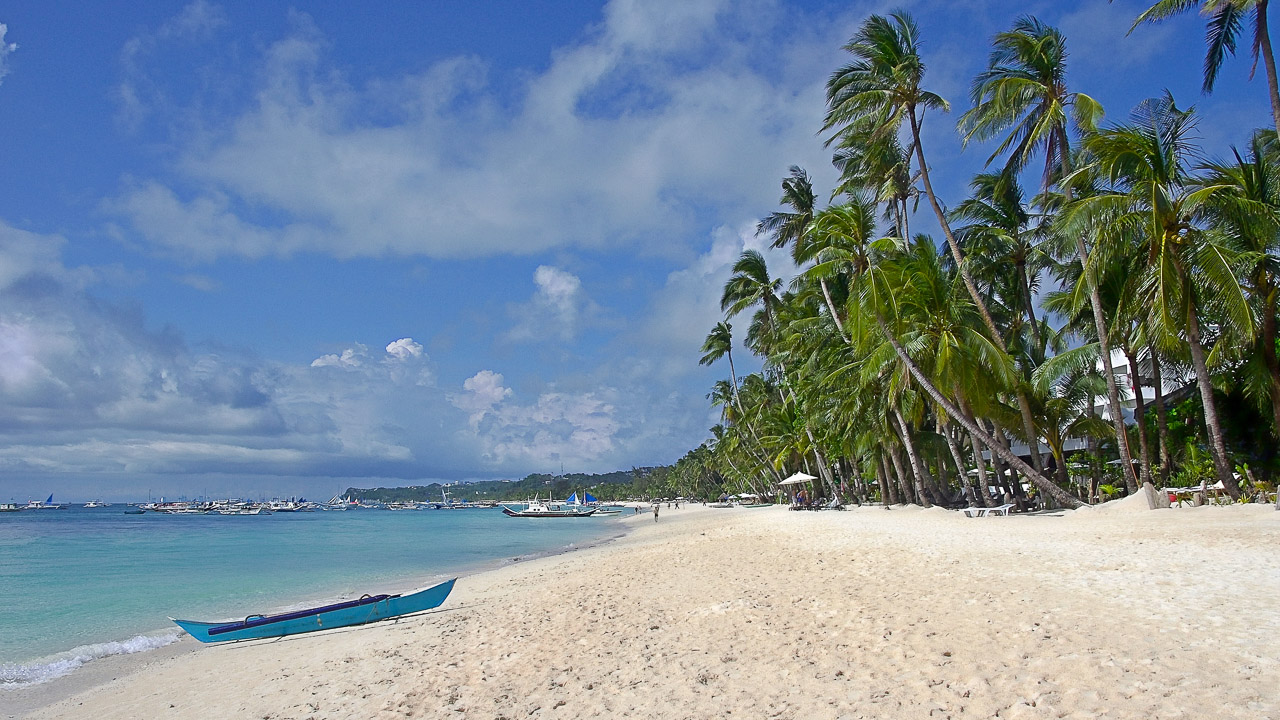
367	609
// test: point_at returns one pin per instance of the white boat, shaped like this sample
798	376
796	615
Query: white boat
539	508
10	507
97	503
46	505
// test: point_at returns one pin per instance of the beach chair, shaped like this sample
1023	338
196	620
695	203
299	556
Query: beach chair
1002	510
974	511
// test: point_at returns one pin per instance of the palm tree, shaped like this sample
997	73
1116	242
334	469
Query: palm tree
881	88
871	97
1190	269
1024	88
786	228
1245	200
1221	33
719	343
877	290
1001	236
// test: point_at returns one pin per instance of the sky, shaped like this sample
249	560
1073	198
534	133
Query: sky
273	248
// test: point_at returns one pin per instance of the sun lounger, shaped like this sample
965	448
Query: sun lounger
1002	510
974	511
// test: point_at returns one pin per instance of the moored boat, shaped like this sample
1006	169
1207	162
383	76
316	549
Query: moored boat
46	505
541	509
367	609
10	507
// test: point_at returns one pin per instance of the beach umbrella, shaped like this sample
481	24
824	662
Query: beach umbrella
797	479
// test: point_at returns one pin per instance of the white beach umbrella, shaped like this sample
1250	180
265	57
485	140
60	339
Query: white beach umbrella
797	479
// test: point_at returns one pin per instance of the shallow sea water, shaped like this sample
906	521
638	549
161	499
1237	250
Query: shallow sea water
78	584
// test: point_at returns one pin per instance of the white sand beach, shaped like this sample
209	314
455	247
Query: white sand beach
762	613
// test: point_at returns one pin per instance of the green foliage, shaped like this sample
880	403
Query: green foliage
607	486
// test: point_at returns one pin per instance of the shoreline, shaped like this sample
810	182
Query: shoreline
18	701
885	613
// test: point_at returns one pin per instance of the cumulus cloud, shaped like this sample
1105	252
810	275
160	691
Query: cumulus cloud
626	137
405	350
484	390
558	309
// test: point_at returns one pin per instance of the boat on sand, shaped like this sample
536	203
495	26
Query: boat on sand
369	608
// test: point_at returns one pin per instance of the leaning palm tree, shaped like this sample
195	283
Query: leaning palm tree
875	292
1191	270
1224	25
872	97
1024	88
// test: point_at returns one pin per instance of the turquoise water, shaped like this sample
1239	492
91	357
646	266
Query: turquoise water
78	584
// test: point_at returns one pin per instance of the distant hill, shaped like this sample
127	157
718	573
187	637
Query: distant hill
607	486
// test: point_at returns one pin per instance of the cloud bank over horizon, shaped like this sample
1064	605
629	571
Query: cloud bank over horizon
297	249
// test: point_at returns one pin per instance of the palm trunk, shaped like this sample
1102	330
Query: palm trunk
1221	465
1023	403
1029	303
1269	359
953	446
1162	417
888	493
751	431
1047	486
1268	59
977	452
1139	412
826	295
916	467
1104	345
905	494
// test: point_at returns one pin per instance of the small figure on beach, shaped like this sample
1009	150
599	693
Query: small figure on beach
655	512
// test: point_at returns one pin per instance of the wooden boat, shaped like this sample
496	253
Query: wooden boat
538	508
367	609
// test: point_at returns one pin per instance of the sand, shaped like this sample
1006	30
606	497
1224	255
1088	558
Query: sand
764	613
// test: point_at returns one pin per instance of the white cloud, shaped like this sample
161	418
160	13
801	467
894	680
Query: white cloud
688	305
350	358
6	49
558	308
628	136
405	349
484	390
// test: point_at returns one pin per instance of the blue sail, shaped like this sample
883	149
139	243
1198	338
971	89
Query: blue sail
572	498
590	498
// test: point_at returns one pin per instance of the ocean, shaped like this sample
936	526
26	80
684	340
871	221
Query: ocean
83	583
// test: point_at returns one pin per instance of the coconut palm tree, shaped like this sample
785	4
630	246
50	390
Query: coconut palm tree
1225	21
1245	201
1024	88
719	343
872	97
1191	270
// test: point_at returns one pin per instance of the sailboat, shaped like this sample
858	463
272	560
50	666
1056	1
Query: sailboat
589	500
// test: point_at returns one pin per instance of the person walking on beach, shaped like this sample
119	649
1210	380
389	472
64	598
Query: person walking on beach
655	512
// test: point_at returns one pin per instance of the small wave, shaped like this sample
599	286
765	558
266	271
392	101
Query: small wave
18	675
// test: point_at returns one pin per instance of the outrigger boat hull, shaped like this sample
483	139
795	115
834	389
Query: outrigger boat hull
354	612
548	513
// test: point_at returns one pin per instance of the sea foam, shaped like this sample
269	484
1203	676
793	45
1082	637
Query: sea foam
17	675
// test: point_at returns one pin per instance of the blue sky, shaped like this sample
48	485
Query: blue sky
271	248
